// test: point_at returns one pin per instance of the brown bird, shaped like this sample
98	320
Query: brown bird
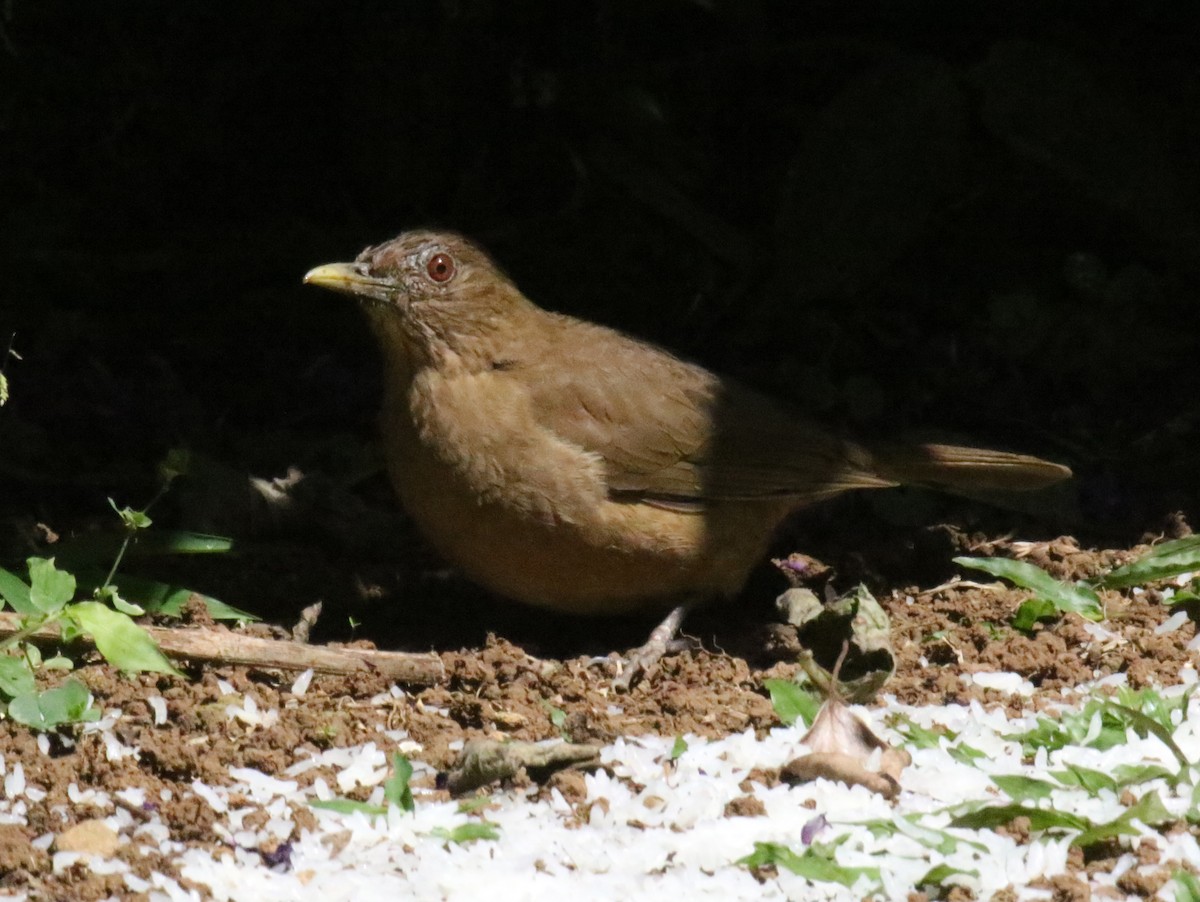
564	464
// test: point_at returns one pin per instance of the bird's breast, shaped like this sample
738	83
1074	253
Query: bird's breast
479	432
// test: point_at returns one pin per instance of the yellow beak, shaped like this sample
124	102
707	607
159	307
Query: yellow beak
349	278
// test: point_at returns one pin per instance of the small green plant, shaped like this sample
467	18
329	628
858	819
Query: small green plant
95	557
53	596
1103	723
1149	809
48	599
397	793
1052	597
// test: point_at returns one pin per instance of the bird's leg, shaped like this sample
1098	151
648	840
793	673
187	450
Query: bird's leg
662	639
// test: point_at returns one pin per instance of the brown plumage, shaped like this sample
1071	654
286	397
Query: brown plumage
566	465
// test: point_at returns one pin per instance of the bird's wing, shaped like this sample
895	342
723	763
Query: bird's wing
674	434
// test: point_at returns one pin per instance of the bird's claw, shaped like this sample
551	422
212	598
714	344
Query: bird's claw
662	640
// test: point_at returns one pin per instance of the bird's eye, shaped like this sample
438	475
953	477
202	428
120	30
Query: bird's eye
440	267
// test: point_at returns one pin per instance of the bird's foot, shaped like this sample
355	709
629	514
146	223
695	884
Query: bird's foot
664	639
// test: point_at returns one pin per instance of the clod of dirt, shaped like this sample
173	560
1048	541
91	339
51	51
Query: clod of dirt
94	836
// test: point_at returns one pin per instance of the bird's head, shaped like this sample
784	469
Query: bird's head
429	293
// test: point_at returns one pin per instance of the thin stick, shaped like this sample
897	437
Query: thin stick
222	647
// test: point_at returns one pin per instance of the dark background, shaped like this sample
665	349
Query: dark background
965	220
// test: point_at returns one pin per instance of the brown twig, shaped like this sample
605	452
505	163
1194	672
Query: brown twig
225	647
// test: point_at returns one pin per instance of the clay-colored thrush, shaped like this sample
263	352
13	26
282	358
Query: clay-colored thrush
566	465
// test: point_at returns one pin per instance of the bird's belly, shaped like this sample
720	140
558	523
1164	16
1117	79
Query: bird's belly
584	555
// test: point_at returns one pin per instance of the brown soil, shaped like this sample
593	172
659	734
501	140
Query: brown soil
940	634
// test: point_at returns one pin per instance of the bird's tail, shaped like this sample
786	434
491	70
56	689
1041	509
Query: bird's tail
960	470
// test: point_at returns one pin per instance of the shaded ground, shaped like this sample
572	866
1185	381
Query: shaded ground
940	633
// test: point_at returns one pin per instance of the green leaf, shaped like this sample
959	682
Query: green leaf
965	754
16	678
1183	596
97	549
557	716
1164	561
939	874
25	709
396	790
1143	724
49	587
168	600
1193	812
811	864
219	610
132	519
110	595
910	825
1187	887
469	832
1092	781
349	806
678	747
1133	774
122	642
14	590
1149	809
921	737
69	703
66	704
176	541
1032	611
993	816
1024	789
468	806
1076	597
792	702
